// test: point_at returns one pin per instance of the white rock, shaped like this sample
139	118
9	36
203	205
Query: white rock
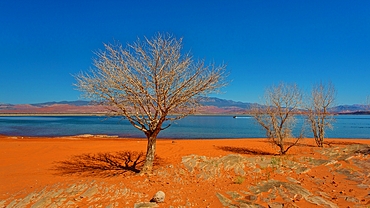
158	197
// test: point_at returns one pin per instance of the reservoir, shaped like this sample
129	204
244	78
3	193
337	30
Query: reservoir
191	127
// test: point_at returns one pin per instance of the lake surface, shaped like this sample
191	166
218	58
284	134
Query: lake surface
191	127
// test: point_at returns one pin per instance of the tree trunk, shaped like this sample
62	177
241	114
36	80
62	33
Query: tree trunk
282	150
281	146
150	154
321	136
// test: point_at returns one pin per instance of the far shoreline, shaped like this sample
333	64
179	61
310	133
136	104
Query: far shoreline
122	138
48	114
104	114
235	115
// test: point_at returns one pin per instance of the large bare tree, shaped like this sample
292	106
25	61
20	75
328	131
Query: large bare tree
322	98
151	83
277	115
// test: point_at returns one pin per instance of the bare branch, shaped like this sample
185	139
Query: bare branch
318	115
276	116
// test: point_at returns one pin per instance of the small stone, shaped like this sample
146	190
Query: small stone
158	197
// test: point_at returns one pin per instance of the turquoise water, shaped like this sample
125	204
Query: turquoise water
191	127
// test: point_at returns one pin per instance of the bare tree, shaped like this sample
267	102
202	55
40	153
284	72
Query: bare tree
318	115
277	115
150	83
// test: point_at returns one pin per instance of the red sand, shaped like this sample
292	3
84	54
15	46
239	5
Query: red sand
28	164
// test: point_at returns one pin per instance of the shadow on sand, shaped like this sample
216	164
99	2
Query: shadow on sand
289	142
102	164
333	143
242	150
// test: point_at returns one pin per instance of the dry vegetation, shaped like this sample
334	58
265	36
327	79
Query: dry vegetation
148	81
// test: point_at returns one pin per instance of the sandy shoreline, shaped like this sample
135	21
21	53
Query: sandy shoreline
28	165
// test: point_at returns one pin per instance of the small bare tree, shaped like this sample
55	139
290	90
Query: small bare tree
318	115
277	115
150	83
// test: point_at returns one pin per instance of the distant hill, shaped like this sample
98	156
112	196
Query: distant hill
211	105
75	103
222	103
350	108
65	107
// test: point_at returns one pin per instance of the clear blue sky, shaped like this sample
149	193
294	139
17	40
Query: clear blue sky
43	43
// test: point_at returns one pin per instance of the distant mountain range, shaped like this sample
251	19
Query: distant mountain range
351	109
64	107
210	105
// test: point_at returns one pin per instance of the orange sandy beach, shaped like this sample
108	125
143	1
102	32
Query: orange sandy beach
102	172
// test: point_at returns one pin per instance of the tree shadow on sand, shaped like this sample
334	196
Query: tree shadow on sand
103	164
288	143
243	150
333	143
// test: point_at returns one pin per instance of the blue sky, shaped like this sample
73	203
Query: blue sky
43	43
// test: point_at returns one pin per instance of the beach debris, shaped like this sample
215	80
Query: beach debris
96	136
158	197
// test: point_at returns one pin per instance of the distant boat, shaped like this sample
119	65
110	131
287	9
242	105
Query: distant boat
242	116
